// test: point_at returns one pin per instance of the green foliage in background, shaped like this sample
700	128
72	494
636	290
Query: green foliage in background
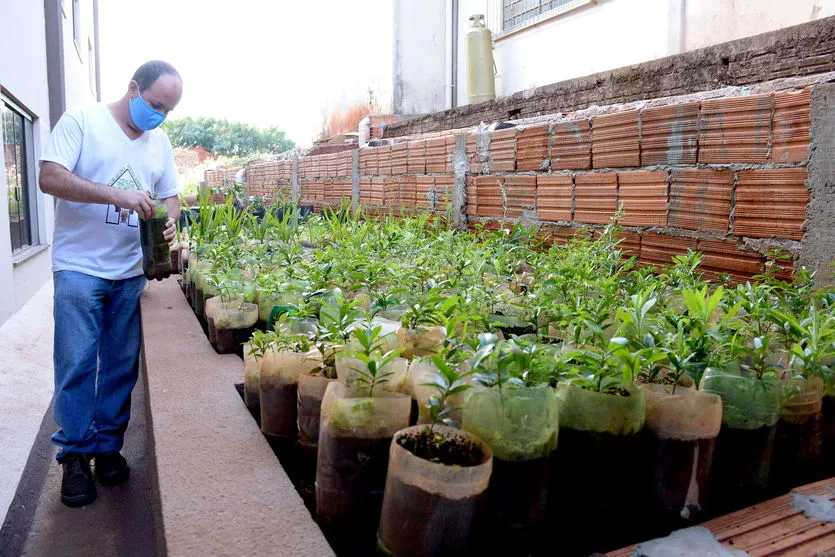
223	137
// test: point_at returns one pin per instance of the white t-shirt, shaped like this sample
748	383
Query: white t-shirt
103	240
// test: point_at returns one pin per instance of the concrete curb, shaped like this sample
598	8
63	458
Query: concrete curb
222	490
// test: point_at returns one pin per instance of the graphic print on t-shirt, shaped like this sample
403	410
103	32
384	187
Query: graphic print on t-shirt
124	179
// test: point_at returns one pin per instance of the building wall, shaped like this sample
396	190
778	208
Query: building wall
80	84
600	36
23	78
420	56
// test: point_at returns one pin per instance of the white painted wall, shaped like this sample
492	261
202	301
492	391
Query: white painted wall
601	36
76	66
23	77
717	21
421	74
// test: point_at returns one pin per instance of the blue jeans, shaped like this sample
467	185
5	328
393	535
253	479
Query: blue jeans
96	358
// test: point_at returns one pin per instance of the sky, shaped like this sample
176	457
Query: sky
264	62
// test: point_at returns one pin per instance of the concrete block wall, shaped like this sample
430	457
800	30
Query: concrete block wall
726	175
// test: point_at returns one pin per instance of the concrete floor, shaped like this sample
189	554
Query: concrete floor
26	386
121	522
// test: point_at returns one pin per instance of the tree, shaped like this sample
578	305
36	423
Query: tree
223	137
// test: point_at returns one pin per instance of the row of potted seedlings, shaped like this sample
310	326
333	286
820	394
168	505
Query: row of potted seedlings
553	386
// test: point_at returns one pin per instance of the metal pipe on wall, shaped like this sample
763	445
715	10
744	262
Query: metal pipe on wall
454	76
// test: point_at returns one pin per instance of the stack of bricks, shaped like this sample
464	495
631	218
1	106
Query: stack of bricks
718	176
216	180
270	180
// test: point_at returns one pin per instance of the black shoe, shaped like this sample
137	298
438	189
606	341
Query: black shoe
77	486
111	468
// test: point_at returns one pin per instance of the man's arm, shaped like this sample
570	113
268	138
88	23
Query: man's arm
57	181
172	204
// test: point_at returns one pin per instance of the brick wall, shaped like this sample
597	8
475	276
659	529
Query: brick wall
728	176
725	176
216	178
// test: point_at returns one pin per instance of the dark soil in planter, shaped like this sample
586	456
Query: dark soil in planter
511	326
596	500
414	412
282	423
440	514
827	468
361	465
231	341
741	468
309	414
434	447
798	450
678	468
210	324
517	502
300	465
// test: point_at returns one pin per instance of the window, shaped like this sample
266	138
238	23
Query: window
19	161
517	14
76	23
91	65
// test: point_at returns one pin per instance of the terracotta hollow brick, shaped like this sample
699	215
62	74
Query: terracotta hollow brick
669	134
735	130
642	196
553	197
615	140
771	203
532	149
790	140
571	145
700	199
595	197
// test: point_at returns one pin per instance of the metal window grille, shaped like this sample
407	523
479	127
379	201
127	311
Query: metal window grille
19	172
507	16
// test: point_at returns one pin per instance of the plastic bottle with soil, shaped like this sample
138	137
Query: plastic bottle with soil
252	381
597	468
280	373
520	425
432	507
798	446
234	323
745	444
156	253
681	428
827	468
354	442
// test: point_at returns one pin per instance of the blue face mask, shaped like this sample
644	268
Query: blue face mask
144	117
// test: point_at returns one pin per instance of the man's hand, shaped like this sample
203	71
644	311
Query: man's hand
170	230
135	200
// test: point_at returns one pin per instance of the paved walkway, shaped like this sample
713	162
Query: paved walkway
121	522
26	386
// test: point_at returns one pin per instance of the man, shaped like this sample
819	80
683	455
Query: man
102	163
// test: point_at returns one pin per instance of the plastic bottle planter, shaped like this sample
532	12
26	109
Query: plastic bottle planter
432	508
311	392
828	431
597	468
210	309
174	258
280	373
741	465
798	447
234	323
520	425
354	442
252	381
423	341
681	430
156	253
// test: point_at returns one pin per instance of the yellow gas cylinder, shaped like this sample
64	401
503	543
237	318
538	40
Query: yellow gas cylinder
481	80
